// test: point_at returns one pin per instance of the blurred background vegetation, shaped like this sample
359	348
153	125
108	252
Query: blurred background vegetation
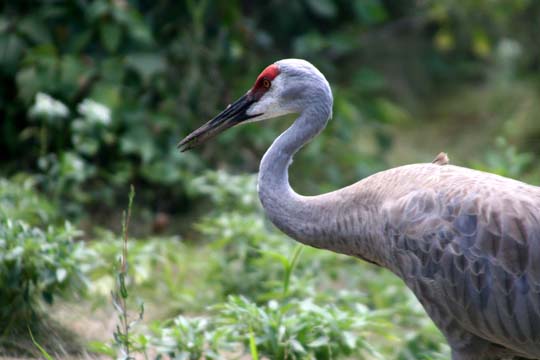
94	96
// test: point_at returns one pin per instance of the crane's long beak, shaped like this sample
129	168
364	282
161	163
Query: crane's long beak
232	115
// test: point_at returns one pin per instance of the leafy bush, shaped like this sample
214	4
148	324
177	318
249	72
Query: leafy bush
19	200
227	192
506	160
299	329
242	240
294	330
423	344
160	75
171	258
34	265
39	260
190	339
63	173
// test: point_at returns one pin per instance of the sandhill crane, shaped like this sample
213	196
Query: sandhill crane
467	243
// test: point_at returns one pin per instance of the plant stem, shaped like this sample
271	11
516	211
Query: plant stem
43	140
289	270
122	276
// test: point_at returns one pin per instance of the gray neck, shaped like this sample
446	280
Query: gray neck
296	215
342	221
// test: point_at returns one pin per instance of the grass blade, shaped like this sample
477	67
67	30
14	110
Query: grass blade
40	348
253	346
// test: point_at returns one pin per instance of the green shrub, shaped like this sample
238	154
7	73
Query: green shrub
227	192
243	267
505	159
36	265
161	268
293	330
299	329
19	200
250	260
190	339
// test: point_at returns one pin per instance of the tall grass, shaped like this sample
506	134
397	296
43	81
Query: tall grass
123	339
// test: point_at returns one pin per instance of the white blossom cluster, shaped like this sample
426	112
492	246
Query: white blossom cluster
94	111
45	106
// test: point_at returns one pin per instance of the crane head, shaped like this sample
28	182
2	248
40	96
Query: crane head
280	89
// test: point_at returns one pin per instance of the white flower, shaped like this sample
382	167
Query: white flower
46	106
94	111
273	305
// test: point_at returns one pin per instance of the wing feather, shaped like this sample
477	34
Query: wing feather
481	258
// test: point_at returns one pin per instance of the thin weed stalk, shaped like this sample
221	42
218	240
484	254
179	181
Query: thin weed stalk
43	352
120	294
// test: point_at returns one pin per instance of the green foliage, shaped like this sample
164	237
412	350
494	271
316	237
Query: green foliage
237	231
43	352
244	243
133	59
505	160
159	76
227	192
298	329
190	339
64	173
40	261
423	344
34	265
19	200
173	260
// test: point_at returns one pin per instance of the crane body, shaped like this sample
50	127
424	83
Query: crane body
466	242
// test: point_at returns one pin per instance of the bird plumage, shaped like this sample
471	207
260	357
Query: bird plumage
441	159
467	243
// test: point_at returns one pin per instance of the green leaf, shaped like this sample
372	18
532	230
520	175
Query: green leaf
253	346
101	348
81	40
370	11
321	341
110	34
277	256
323	8
97	9
107	93
297	346
11	51
35	30
41	349
481	43
146	64
123	289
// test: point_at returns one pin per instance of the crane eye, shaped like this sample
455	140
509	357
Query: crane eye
266	83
